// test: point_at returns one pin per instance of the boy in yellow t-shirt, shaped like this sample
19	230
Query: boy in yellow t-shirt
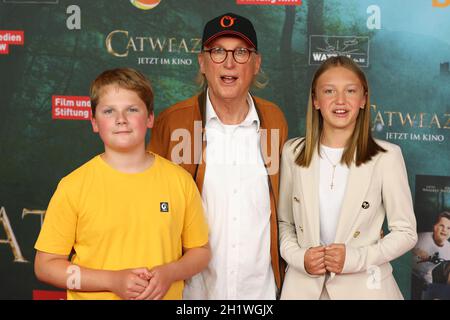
134	220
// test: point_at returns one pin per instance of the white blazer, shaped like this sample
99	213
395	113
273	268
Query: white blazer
375	189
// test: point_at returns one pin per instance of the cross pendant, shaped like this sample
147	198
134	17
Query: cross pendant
332	177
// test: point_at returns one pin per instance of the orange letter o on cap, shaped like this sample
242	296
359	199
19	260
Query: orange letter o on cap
227	21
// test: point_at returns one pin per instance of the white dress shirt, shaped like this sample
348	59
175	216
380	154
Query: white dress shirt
237	205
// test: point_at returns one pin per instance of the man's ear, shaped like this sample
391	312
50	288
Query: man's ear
258	61
201	62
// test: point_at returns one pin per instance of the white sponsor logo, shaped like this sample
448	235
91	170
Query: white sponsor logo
322	47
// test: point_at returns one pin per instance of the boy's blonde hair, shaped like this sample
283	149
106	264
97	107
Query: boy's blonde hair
126	78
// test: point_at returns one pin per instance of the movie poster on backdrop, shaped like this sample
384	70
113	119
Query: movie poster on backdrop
431	255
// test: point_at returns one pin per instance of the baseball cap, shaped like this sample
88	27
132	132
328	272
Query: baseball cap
230	24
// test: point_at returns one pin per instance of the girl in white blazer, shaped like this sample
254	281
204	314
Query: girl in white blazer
337	186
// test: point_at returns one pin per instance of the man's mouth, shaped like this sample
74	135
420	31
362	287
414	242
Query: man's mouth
228	79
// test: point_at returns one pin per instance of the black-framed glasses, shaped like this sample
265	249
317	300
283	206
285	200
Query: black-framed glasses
219	55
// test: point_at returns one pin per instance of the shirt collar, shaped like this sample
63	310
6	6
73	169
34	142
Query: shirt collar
250	119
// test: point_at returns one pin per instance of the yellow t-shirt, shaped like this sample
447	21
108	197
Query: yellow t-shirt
114	220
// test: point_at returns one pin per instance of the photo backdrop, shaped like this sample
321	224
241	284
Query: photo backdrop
51	50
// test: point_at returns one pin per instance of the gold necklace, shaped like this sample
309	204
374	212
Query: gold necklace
334	168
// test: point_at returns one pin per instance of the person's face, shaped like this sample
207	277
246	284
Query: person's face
339	95
229	80
121	119
441	231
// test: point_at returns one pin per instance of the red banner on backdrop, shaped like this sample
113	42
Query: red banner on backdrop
270	2
12	37
7	37
71	107
4	48
49	295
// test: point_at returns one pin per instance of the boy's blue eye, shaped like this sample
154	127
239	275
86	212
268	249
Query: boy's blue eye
134	109
107	111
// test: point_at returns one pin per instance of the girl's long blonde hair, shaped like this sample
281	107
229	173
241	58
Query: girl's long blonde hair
361	146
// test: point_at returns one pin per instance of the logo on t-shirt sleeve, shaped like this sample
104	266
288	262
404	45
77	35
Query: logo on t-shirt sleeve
164	207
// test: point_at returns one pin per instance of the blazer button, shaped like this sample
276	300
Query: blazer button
356	234
301	228
365	205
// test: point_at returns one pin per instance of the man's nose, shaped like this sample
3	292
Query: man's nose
229	60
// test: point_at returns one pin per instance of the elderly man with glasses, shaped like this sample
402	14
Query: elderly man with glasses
230	142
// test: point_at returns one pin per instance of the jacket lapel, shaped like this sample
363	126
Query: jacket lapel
266	145
359	180
199	173
309	178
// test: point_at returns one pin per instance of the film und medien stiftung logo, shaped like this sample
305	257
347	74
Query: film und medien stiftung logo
71	107
145	4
